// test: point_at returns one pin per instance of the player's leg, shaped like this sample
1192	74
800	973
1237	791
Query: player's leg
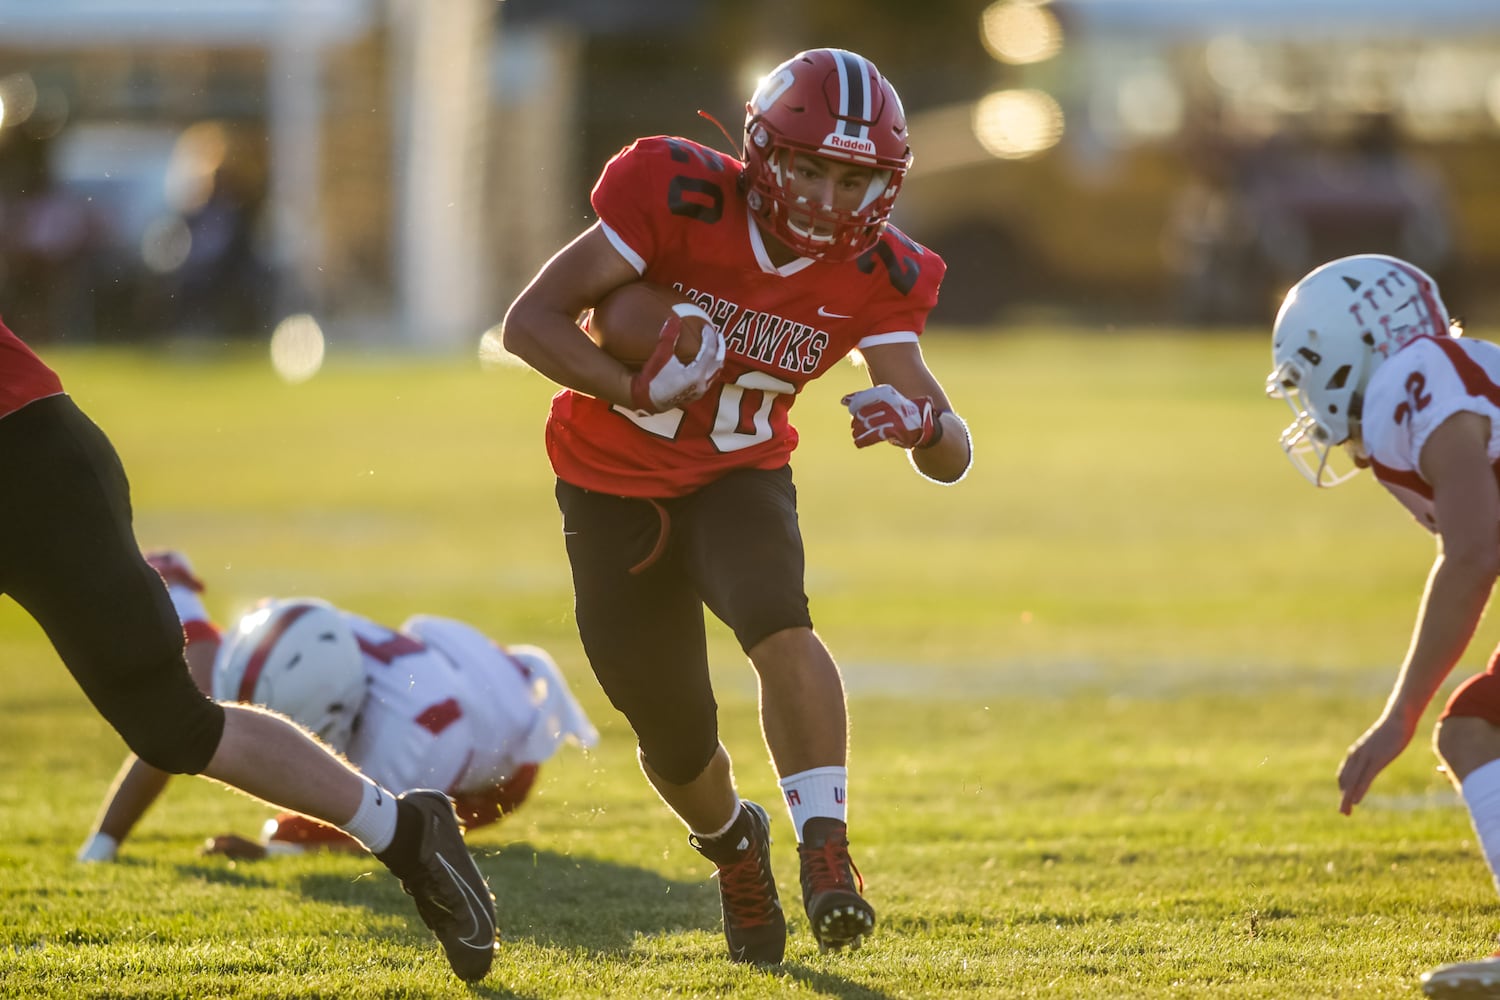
1467	739
744	549
641	624
77	569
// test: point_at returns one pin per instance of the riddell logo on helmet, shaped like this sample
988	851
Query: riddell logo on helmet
848	144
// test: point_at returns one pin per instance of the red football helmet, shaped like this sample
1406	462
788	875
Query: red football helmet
835	104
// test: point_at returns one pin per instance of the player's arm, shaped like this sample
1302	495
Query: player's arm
138	785
288	833
1455	463
937	436
541	326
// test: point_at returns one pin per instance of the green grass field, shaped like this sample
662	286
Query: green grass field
1099	691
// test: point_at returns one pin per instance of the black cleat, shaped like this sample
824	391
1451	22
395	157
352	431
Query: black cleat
831	887
754	925
451	895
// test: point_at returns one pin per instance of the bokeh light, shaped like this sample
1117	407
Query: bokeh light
1150	104
1016	124
17	99
1020	32
165	244
196	157
297	348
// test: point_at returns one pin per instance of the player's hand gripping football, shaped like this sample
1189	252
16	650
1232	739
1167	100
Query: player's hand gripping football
882	414
664	382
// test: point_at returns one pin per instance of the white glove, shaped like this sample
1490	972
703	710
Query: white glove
99	847
664	383
882	414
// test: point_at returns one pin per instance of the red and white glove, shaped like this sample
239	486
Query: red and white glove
882	414
664	383
175	569
183	587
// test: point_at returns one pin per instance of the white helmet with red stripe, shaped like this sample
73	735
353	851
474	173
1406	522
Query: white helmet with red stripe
1335	327
299	657
834	104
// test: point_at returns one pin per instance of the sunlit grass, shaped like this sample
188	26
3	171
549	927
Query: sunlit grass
1099	692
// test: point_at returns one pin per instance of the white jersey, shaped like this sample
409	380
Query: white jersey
1411	395
448	708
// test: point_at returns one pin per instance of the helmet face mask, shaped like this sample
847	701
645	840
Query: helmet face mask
832	104
1334	329
1310	445
298	657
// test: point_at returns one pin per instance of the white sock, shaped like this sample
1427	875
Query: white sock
818	792
723	829
1481	793
374	822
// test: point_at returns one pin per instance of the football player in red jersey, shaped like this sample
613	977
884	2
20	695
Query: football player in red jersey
1365	354
674	481
433	704
68	556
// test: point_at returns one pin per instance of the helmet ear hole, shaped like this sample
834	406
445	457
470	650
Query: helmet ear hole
1340	377
298	657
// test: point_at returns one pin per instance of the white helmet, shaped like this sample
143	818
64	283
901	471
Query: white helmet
297	657
1334	329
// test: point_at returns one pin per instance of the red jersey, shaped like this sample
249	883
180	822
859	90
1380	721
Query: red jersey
23	377
673	208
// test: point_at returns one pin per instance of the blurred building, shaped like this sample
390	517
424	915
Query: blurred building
398	169
1188	159
378	163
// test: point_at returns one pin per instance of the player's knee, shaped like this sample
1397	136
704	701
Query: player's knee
166	721
679	760
186	747
1465	743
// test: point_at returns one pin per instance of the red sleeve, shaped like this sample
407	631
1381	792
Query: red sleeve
656	182
23	376
617	200
913	274
476	809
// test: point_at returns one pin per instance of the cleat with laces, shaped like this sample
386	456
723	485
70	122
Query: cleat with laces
754	925
831	887
1479	978
452	896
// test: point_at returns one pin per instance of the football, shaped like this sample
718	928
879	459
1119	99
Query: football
628	323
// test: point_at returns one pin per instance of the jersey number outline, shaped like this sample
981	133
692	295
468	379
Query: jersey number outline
904	272
1417	399
695	197
729	433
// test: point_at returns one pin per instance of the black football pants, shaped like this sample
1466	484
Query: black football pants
69	556
643	570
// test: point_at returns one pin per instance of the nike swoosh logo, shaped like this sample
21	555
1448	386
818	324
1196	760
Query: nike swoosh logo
823	311
483	934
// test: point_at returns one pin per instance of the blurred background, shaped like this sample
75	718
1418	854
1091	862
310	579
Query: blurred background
392	172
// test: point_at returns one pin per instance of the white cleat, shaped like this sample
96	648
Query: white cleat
1479	978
